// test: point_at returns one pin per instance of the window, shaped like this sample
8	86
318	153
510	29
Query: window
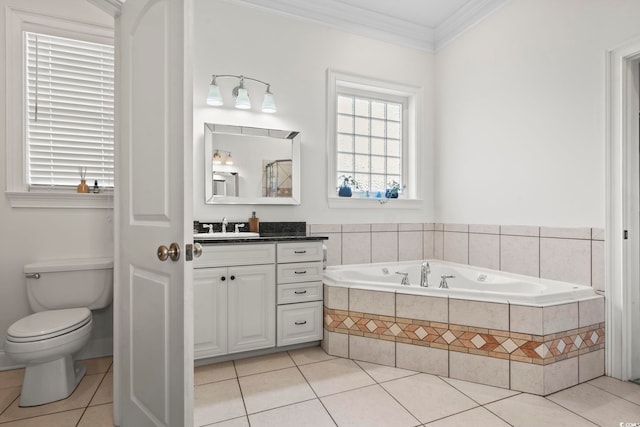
372	138
69	111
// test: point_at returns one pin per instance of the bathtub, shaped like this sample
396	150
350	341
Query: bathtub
470	283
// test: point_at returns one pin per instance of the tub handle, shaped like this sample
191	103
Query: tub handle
304	322
32	276
443	282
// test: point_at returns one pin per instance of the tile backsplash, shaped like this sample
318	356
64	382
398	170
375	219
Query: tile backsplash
574	255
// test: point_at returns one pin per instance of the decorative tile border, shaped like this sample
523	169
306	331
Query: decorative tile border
534	349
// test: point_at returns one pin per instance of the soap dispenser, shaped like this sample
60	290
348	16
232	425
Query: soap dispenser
254	223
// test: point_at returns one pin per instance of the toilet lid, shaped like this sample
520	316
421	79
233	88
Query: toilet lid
48	324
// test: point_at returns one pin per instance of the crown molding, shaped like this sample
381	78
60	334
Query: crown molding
380	26
112	7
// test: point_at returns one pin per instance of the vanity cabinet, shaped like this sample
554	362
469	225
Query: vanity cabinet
299	292
234	299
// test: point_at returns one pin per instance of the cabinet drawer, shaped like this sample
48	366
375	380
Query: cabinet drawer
300	272
299	292
237	254
299	251
298	323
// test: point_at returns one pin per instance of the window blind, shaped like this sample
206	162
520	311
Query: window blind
70	109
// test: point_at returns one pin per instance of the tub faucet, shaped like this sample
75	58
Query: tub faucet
224	224
443	282
424	274
405	278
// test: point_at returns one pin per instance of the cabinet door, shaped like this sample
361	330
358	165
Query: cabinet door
252	307
210	311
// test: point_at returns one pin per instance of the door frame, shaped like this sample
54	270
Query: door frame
622	197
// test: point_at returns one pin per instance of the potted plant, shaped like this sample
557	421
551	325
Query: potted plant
392	191
346	182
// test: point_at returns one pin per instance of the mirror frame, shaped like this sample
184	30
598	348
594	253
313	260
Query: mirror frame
211	129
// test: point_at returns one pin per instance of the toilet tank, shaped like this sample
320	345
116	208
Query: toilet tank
70	283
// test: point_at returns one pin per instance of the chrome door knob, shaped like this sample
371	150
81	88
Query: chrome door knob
197	250
173	252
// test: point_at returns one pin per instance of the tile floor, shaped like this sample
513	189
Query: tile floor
307	387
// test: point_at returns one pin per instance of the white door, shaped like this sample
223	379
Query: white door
153	317
210	311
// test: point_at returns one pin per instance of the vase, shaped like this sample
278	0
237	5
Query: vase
83	187
344	192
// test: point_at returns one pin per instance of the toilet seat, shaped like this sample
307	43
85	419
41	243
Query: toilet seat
45	325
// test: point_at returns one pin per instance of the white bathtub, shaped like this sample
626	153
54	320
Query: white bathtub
472	283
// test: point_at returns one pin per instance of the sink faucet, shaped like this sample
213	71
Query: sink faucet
238	227
224	224
405	278
443	282
424	274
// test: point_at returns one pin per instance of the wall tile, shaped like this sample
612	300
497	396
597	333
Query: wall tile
559	318
438	245
410	227
438	226
526	319
410	245
568	260
560	375
384	246
519	254
336	297
479	369
460	228
591	311
356	248
484	250
334	247
373	302
520	230
420	307
597	233
484	229
527	377
456	247
566	233
591	365
384	227
335	344
422	359
427	241
479	314
597	265
372	350
356	228
428	226
325	228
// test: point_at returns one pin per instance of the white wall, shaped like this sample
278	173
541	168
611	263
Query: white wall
520	113
294	55
28	235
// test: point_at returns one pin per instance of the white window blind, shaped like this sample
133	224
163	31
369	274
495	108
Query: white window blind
70	109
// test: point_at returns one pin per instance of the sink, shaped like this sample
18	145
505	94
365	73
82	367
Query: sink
227	236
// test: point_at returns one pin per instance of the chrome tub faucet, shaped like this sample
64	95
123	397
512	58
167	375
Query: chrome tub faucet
443	281
405	278
424	274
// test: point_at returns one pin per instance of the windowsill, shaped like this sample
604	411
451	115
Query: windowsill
370	202
62	200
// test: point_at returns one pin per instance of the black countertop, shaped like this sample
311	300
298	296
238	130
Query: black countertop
261	239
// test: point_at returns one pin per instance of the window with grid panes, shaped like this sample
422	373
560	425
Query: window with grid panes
369	142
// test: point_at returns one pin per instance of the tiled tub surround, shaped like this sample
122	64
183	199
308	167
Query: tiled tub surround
536	349
574	255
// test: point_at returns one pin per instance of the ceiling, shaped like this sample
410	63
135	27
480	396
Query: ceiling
424	24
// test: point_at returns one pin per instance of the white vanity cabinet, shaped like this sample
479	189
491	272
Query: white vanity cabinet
299	292
234	299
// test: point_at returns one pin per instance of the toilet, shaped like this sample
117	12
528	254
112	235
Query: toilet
62	294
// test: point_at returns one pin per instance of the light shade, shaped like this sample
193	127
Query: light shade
228	160
268	104
242	100
214	97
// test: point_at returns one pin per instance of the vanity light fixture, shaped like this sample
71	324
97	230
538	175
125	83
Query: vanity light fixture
240	94
218	159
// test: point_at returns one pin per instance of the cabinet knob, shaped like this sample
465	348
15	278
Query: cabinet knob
232	277
223	278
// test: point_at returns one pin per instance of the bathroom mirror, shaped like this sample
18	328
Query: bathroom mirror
247	165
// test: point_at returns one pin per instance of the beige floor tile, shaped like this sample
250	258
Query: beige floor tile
427	397
367	407
528	410
481	393
80	398
381	373
104	394
304	414
97	416
61	419
624	389
217	402
99	365
11	378
7	396
214	372
236	422
273	389
477	417
597	405
266	363
308	355
335	376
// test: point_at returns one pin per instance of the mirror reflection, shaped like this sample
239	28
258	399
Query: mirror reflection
247	165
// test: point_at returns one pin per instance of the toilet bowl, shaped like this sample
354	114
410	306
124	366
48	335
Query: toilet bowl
44	342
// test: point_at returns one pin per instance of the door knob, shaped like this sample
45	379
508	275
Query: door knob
172	252
197	250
